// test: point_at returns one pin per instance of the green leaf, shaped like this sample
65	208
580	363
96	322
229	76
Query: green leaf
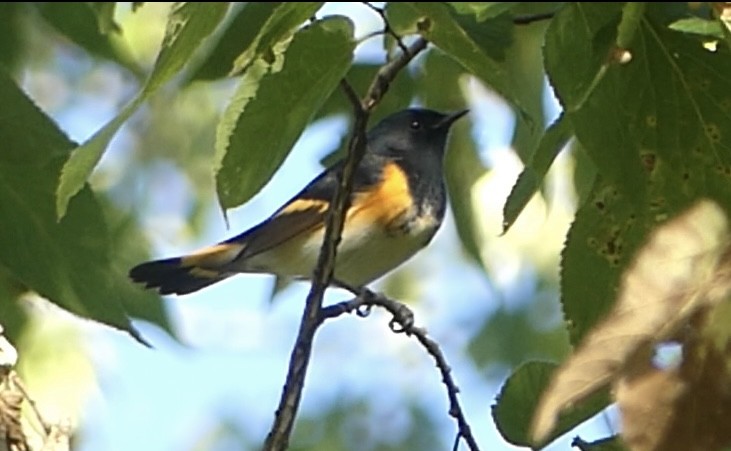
273	105
656	131
240	33
67	262
105	16
280	26
483	10
436	24
188	25
83	159
518	399
554	139
696	25
79	22
11	29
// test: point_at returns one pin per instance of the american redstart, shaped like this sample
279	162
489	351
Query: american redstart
396	206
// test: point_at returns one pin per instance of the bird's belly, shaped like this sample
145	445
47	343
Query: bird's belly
365	253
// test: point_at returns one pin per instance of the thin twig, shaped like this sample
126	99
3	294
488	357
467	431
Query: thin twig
387	29
403	322
278	437
533	18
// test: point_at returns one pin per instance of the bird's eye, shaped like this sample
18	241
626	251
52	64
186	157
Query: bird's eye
415	125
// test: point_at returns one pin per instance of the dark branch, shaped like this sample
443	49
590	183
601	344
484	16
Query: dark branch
387	29
403	322
278	437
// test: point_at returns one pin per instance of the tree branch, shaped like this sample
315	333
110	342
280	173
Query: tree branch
278	437
403	322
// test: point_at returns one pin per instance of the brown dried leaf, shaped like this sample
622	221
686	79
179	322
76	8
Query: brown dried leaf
662	288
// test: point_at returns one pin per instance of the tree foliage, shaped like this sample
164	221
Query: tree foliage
644	92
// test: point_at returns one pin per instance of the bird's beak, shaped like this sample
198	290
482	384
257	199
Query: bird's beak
451	118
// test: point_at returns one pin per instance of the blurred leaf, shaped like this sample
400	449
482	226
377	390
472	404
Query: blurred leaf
105	16
509	338
66	262
516	403
661	290
554	139
483	10
280	26
13	316
78	21
188	24
696	25
439	87
438	26
11	44
273	105
128	246
493	35
238	35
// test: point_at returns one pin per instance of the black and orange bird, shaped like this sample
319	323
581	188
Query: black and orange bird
396	206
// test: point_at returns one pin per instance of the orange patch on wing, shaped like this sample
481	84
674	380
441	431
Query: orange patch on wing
386	202
212	256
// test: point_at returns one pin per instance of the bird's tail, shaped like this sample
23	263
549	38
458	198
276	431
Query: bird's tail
183	275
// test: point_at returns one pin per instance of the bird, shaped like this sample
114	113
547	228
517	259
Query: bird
396	206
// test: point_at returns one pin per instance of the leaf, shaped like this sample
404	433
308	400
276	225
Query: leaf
483	10
83	159
273	104
696	25
517	400
653	129
240	33
67	262
554	139
188	24
661	290
11	29
80	23
279	27
435	23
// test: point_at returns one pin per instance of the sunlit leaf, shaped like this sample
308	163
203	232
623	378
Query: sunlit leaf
81	23
188	24
553	140
273	105
696	25
483	10
83	159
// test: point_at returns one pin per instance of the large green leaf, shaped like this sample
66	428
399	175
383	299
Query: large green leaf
518	399
273	105
188	25
68	261
656	130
